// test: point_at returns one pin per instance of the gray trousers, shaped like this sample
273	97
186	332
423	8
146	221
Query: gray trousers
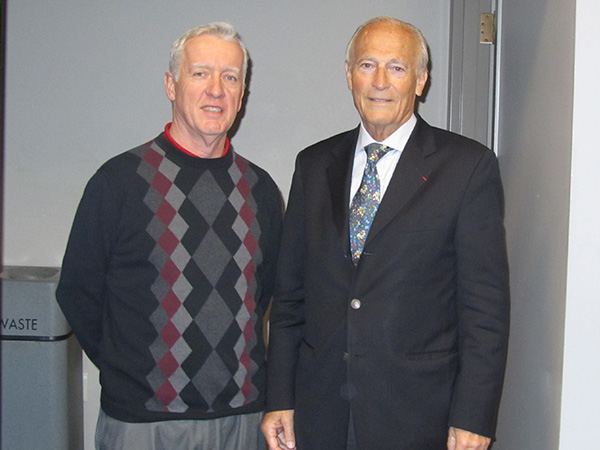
241	432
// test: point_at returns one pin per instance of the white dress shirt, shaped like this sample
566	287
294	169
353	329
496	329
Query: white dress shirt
387	164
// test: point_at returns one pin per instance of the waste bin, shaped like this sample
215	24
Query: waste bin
41	395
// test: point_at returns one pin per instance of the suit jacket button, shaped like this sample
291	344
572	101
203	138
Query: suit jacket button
355	303
345	357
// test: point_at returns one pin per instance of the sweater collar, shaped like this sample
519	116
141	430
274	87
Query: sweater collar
186	151
177	154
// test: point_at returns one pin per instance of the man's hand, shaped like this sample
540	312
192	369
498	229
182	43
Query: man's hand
465	440
278	428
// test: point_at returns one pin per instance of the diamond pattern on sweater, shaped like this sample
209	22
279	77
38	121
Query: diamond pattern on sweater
212	377
205	288
164	199
212	257
249	233
208	197
221	318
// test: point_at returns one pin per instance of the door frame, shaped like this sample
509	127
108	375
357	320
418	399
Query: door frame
472	72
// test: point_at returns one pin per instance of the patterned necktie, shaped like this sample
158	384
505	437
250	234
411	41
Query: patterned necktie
366	201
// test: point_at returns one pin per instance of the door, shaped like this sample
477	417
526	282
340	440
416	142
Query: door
472	69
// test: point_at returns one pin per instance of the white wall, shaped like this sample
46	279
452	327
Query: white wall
84	82
548	129
535	129
581	389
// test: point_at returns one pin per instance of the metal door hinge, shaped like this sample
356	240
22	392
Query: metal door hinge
487	28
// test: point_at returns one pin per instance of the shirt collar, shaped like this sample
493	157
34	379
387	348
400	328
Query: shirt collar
397	140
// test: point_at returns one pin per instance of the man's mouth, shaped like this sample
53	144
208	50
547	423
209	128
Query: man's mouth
379	100
212	108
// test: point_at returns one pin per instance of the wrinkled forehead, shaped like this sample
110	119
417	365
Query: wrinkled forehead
392	41
204	48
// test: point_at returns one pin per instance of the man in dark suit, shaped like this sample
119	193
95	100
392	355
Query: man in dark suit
389	333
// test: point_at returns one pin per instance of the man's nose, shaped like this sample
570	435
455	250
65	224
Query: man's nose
215	87
380	78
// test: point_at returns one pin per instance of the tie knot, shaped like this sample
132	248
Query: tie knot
375	151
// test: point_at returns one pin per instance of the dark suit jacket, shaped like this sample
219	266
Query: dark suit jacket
425	346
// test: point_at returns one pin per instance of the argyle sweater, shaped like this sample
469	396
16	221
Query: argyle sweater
167	275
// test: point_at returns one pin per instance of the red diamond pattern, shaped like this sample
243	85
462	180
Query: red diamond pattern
251	244
161	183
168	242
166	212
153	158
170	335
168	363
166	393
170	303
170	272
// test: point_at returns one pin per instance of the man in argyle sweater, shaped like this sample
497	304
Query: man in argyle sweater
169	267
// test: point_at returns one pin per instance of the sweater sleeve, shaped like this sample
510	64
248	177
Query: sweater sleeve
81	289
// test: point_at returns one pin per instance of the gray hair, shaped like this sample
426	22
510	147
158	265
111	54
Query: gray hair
223	30
424	52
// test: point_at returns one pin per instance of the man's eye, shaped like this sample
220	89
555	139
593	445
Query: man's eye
397	71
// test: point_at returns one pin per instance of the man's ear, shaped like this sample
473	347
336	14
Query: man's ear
170	86
421	82
348	76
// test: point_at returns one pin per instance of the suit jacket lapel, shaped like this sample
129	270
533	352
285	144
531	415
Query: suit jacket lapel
339	174
410	175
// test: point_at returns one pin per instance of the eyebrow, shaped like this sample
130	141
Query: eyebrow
372	58
208	66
